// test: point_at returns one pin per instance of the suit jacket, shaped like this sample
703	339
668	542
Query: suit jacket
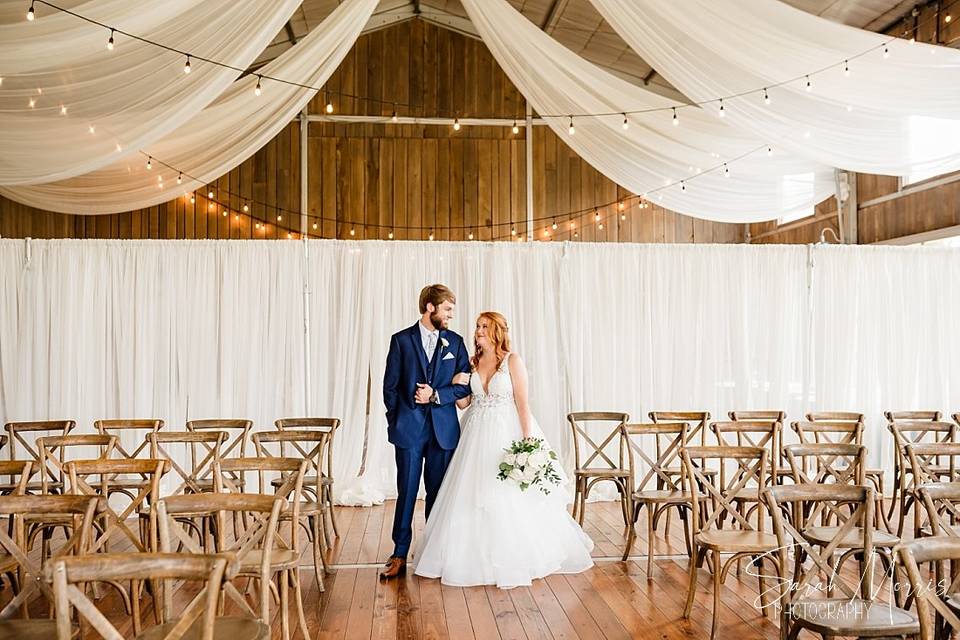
408	423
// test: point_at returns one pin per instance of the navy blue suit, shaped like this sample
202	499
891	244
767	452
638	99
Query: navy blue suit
424	435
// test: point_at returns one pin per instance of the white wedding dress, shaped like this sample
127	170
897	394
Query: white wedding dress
485	531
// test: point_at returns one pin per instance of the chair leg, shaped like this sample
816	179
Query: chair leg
317	553
284	605
631	533
333	512
716	593
294	575
625	507
692	585
650	519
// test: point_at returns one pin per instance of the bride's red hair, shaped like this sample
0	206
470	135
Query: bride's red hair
497	333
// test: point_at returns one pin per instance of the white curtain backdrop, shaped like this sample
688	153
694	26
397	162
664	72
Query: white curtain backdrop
131	96
196	329
904	109
217	139
652	152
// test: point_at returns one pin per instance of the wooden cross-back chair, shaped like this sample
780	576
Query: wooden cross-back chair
22	444
261	551
941	503
201	466
326	479
718	523
19	511
310	446
592	464
110	521
778	464
793	508
929	462
765	434
135	431
235	446
196	618
656	489
937	600
898	416
917	432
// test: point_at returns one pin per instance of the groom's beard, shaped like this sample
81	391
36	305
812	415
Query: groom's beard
436	321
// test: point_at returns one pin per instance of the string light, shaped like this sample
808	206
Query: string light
245	207
32	103
279	218
289	236
766	97
722	113
225	213
683	186
30	13
456	124
620	205
236	216
257	90
390	236
947	18
210	206
846	68
596	215
573	225
554	225
676	120
63	109
257	225
886	52
353	231
329	107
430	237
600	226
315	225
626	123
470	236
515	128
809	86
210	194
150	163
186	67
92	129
546	232
726	170
393	117
180	178
110	41
571	129
193	199
513	231
623	216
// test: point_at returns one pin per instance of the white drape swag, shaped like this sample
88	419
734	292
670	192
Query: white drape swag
220	137
652	152
198	329
59	79
893	114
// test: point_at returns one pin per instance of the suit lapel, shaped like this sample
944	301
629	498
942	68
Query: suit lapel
418	349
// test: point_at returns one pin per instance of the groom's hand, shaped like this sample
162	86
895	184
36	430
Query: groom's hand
424	394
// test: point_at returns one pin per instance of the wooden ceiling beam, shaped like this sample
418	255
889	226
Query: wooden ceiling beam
553	15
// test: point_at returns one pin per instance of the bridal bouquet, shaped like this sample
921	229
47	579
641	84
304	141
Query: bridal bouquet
529	462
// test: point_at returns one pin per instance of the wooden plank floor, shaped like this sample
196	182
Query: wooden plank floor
614	599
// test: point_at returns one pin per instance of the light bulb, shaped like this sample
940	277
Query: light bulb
279	217
515	128
180	178
92	129
722	112
209	194
620	205
30	14
210	206
186	67
676	120
393	118
554	226
600	226
546	232
886	52
470	236
596	216
390	236
570	129
159	178
809	86
289	236
623	216
63	109
110	41
32	103
430	237
456	124
513	231
193	199
236	216
315	225
149	162
257	90
766	97
726	170
225	213
573	224
846	68
947	18
257	225
329	107
626	123
353	231
246	208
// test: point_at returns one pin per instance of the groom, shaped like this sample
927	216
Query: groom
420	398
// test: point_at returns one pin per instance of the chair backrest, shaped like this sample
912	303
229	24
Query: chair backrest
777	461
896	416
931	595
941	502
795	507
14	538
55	452
201	462
3	440
254	517
126	429
828	431
299	424
713	497
70	575
827	463
917	431
588	454
238	432
835	416
18	474
697	422
754	433
17	433
930	461
148	490
312	446
669	438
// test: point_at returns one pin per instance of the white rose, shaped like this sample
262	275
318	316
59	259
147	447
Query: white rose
516	475
538	460
444	342
510	458
521	459
529	474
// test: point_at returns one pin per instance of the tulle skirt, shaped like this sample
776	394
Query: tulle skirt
485	531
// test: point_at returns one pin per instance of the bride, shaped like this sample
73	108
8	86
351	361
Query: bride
483	530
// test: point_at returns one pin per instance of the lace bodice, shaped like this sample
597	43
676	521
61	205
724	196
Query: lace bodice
499	388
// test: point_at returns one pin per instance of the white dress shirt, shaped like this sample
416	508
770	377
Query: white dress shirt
430	339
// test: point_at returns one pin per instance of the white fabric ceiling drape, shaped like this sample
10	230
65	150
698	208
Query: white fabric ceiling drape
131	96
217	139
904	110
199	329
652	152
